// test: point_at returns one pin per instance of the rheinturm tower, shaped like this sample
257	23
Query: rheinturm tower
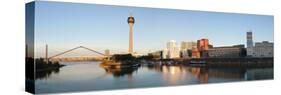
131	21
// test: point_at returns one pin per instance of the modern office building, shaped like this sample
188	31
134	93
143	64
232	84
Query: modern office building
203	46
263	49
184	45
260	49
195	53
227	52
173	50
250	42
249	39
187	45
184	53
165	53
185	48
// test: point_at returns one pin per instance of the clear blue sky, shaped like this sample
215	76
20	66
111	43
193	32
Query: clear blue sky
66	25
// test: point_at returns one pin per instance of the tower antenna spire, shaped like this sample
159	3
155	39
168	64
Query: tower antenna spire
130	13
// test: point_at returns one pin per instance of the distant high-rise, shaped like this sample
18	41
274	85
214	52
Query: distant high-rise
249	39
250	43
131	21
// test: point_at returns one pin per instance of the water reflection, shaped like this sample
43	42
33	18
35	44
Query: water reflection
203	75
175	73
44	74
77	76
259	74
118	72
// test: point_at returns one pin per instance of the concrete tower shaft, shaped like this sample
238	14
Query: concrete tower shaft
131	21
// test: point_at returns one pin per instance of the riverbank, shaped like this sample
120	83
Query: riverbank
215	62
48	68
40	65
232	62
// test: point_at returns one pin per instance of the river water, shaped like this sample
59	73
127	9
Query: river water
88	76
